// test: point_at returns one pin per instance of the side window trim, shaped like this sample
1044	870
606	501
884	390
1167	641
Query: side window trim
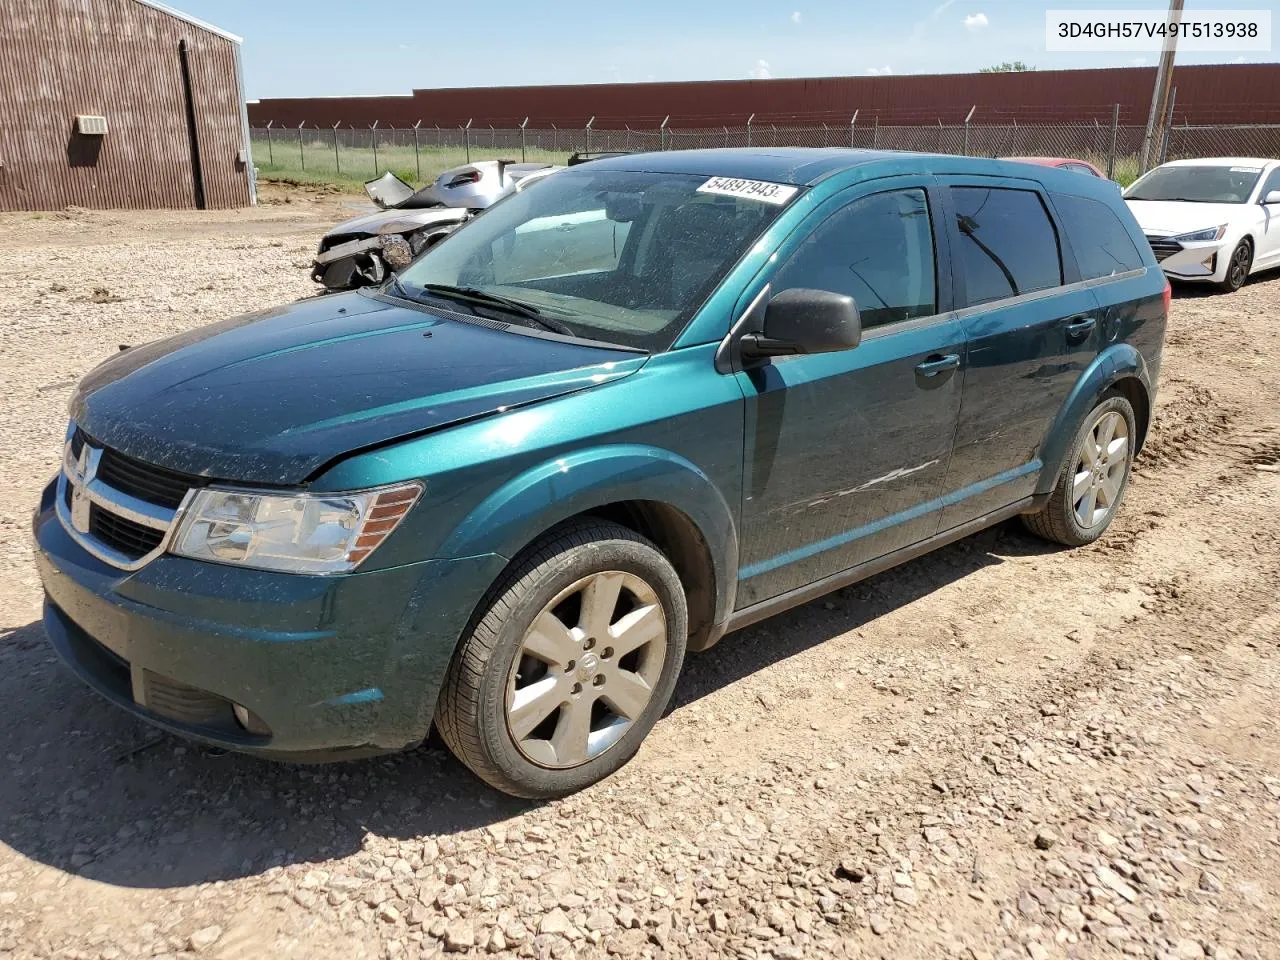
1066	255
991	305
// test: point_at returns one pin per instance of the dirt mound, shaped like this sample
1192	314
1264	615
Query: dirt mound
1189	418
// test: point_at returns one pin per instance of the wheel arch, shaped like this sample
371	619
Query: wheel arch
1135	391
1121	367
680	540
654	492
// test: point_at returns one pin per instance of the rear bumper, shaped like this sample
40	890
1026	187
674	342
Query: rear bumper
332	666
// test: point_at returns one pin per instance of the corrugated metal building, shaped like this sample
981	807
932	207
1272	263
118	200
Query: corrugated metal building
1223	93
168	87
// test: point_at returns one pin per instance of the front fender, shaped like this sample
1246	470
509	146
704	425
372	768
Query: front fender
515	514
1117	362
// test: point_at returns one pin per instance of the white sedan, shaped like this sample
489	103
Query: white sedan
1214	220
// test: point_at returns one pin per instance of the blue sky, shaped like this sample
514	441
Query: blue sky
337	47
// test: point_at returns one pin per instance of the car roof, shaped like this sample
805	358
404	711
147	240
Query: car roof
1044	161
1050	160
1223	161
798	166
809	166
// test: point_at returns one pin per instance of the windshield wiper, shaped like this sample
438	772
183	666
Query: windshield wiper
521	309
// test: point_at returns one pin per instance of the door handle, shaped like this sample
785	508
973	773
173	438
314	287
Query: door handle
937	363
1080	327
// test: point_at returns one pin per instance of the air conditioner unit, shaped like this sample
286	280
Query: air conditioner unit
91	126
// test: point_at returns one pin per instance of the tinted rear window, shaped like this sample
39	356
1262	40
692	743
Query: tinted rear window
1008	245
1101	243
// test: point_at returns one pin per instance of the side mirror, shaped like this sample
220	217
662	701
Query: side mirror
1273	196
805	321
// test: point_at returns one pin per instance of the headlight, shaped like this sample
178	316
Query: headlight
315	533
1209	233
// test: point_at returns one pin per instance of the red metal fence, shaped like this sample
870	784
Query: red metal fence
1217	94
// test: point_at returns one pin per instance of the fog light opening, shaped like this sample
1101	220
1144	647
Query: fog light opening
1210	263
251	722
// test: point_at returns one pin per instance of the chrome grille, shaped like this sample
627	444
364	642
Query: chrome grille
119	509
153	484
1163	247
132	539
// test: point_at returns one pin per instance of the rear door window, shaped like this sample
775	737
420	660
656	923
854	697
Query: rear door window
1008	244
1099	240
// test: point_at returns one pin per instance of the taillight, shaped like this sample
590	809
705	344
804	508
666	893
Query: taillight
471	176
1167	297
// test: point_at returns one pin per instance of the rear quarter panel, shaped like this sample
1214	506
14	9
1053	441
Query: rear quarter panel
1133	322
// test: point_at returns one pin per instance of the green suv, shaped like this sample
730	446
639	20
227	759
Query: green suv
646	402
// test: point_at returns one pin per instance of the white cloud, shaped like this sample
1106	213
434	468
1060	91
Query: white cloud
795	17
1139	61
760	71
1238	60
885	71
976	21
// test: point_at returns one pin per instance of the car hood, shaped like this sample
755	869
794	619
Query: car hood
1166	218
368	223
273	397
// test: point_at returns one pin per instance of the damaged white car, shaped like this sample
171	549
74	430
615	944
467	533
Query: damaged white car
365	249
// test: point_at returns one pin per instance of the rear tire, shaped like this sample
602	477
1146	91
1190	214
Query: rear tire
1094	477
571	662
1238	266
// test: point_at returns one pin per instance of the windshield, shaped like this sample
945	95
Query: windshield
609	255
1200	183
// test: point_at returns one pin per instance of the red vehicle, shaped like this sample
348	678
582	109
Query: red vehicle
1065	163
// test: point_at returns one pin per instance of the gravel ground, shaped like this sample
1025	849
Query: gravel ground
999	751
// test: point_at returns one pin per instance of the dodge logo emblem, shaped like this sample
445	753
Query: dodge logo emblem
86	468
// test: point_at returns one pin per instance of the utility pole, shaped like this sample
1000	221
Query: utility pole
1154	136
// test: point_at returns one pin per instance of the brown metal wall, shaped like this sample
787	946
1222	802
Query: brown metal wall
1246	93
119	59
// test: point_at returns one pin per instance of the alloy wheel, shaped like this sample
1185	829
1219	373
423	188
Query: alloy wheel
1100	471
1238	271
586	669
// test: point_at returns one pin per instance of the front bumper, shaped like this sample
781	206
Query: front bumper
330	666
1204	261
360	262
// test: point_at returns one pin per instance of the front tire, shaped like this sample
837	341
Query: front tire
1094	478
1238	266
571	662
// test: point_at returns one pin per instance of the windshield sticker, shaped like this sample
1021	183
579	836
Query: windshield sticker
765	192
1246	169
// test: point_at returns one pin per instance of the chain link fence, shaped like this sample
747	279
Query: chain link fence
419	153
